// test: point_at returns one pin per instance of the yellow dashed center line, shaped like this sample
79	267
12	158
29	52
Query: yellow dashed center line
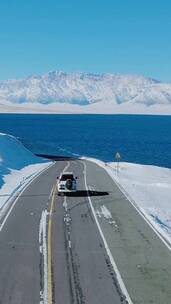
50	300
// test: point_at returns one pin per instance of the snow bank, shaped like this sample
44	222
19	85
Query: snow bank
149	187
17	167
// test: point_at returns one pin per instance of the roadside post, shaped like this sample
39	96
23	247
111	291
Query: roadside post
118	158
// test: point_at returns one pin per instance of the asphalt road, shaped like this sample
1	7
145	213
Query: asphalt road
78	268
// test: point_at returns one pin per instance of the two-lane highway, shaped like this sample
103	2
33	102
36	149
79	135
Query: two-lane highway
87	247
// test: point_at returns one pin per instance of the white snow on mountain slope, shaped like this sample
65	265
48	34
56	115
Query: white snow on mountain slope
74	88
51	92
17	166
147	186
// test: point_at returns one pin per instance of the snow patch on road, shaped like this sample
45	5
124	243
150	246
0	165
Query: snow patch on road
43	253
106	212
107	215
65	204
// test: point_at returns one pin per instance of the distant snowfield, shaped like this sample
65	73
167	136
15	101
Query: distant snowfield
18	166
149	187
96	108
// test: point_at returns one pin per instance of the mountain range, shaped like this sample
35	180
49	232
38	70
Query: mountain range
62	92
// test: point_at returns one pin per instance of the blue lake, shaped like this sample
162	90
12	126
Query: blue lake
139	138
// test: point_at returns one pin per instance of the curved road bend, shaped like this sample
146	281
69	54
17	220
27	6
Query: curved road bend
78	268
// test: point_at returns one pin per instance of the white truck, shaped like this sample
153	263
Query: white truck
66	182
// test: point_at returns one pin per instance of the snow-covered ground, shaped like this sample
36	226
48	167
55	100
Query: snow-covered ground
149	188
95	108
17	167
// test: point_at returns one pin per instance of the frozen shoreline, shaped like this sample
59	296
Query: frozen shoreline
18	167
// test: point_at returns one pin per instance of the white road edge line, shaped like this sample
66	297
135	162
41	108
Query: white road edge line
13	204
119	278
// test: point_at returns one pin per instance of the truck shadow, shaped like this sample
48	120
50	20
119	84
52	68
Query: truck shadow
84	193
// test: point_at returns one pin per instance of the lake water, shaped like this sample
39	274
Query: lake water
139	138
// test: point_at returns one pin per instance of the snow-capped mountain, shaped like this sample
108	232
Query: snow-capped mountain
86	90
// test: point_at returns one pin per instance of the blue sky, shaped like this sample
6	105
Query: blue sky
100	36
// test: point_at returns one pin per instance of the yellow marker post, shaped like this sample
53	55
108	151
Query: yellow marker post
118	158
